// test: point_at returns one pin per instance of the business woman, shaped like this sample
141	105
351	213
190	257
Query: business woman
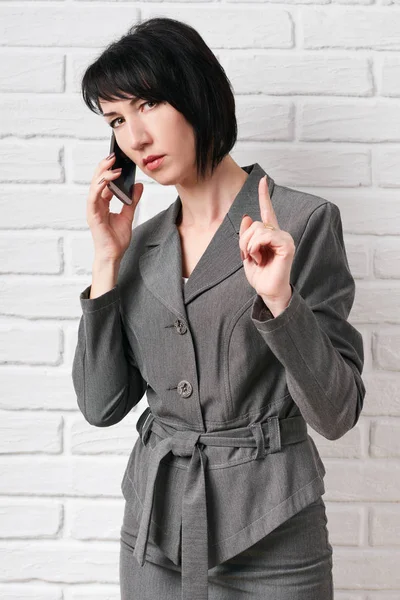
229	310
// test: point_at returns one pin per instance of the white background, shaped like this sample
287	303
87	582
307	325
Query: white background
317	86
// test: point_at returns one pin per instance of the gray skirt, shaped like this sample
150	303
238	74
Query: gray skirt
293	562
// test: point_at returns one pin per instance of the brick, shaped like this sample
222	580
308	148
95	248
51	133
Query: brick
390	76
95	520
262	119
344	524
305	165
41	76
385	439
32	591
387	161
386	347
103	592
356	481
376	303
59	562
348	446
52	298
36	389
30	161
298	73
367	569
346	27
259	27
385	525
283	1
30	345
33	432
380	209
343	121
81	253
364	2
56	207
62	115
64	25
358	256
29	519
119	439
348	596
30	253
62	475
386	259
382	395
382	596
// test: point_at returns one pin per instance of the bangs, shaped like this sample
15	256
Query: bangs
119	76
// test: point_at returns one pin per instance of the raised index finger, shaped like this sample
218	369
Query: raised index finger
266	209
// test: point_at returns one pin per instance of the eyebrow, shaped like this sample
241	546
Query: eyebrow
111	114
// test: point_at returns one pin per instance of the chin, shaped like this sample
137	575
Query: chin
167	176
165	179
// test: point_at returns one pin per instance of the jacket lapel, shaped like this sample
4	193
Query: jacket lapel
161	263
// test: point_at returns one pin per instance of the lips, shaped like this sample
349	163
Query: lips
152	158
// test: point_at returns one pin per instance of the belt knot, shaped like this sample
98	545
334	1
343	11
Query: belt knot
184	442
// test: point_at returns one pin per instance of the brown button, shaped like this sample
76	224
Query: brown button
180	326
185	389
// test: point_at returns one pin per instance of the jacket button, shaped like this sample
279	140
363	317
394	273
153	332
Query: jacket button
180	326
185	389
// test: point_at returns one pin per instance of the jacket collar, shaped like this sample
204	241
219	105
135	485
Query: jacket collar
161	262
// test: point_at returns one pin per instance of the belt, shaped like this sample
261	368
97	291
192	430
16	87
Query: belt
267	437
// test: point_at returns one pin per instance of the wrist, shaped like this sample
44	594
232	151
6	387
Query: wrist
277	305
104	277
105	264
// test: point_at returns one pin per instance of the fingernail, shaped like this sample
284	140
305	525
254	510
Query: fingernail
111	155
101	180
242	254
245	215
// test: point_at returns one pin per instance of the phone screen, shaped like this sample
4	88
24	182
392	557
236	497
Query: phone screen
123	186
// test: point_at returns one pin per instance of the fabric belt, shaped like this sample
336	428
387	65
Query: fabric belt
267	437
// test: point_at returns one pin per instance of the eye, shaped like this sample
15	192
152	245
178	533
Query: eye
148	102
112	122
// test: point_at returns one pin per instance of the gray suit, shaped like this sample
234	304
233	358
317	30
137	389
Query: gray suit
223	456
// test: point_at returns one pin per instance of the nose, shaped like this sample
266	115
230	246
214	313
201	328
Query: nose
138	136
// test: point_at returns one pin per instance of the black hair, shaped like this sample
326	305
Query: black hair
162	59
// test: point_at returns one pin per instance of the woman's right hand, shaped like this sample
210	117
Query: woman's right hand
111	232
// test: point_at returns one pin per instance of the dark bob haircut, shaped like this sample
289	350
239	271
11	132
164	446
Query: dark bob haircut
163	59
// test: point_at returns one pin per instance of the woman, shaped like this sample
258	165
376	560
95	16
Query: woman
229	310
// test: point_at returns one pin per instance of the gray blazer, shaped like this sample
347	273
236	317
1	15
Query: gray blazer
223	455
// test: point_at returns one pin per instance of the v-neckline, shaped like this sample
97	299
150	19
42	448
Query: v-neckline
220	226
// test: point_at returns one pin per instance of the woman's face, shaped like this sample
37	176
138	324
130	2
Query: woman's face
143	128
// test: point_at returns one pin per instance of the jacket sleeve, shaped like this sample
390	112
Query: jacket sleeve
322	353
107	381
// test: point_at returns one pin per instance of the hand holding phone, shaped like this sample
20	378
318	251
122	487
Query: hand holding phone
111	232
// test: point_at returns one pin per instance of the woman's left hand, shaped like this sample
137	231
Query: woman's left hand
267	254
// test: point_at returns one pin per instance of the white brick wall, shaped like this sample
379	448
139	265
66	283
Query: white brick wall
317	85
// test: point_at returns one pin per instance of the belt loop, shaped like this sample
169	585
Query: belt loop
274	435
144	430
258	433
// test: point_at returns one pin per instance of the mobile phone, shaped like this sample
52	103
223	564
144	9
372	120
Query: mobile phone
122	187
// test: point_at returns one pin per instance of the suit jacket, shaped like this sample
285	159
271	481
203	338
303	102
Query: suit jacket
213	359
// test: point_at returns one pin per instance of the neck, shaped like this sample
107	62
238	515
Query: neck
205	203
